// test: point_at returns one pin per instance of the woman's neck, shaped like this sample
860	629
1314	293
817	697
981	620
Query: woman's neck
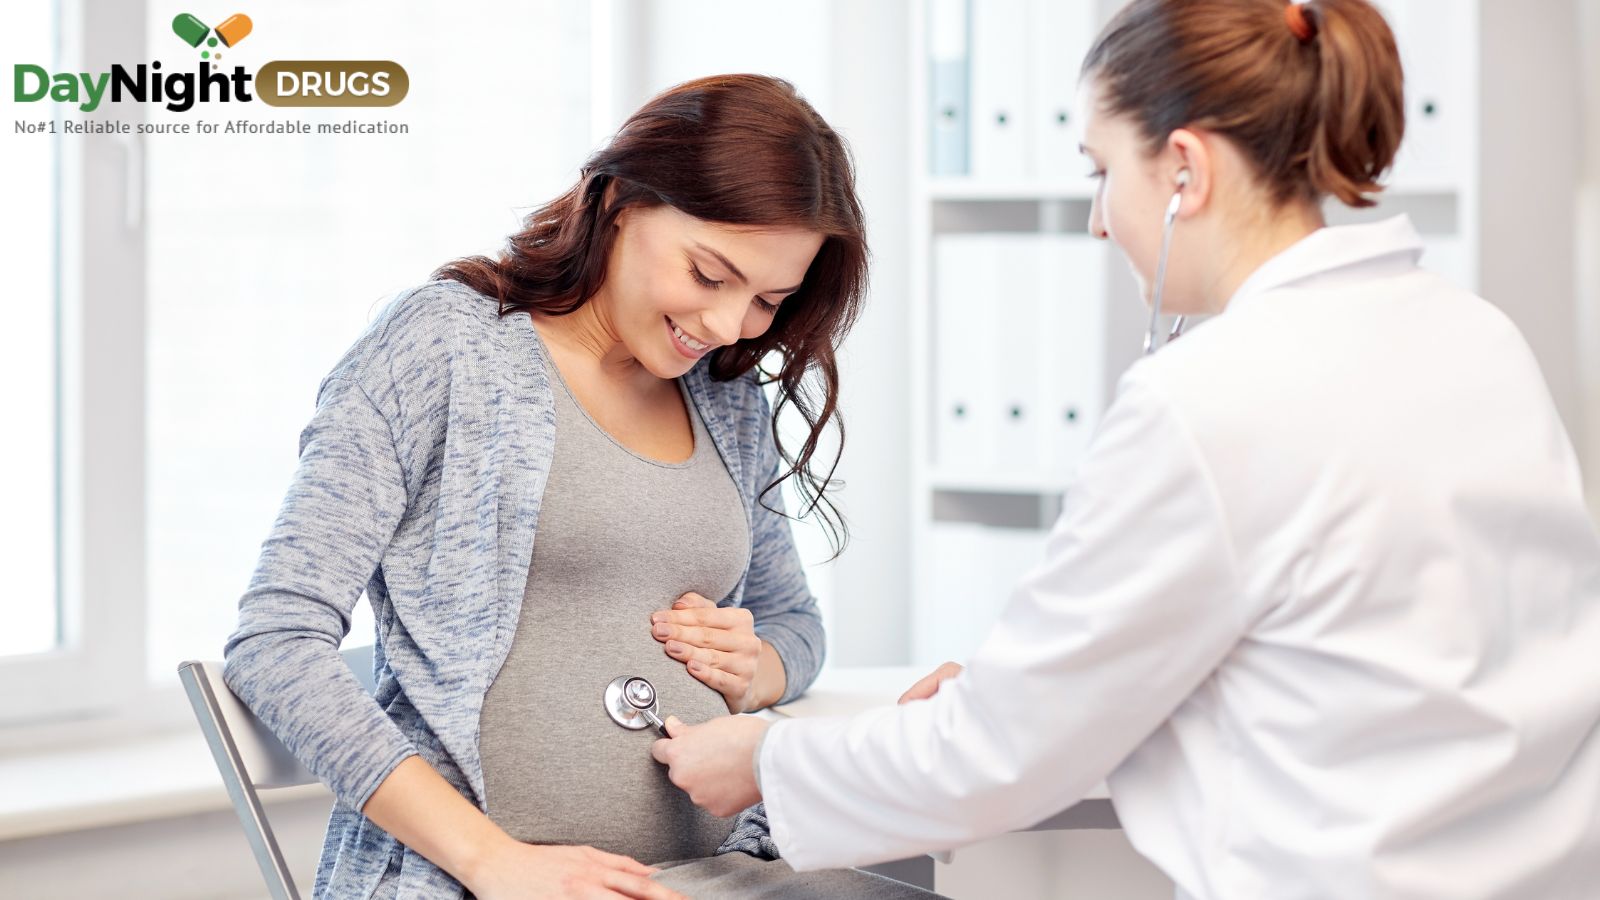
588	337
1249	244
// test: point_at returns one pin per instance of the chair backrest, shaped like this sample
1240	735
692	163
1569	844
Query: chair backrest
250	758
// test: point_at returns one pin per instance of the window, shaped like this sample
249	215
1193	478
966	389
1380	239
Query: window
229	273
269	254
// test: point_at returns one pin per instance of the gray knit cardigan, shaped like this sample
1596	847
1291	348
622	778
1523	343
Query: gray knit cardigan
419	479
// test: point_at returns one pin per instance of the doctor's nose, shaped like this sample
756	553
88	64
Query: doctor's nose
1097	222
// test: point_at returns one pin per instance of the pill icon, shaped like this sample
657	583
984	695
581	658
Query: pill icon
234	29
191	30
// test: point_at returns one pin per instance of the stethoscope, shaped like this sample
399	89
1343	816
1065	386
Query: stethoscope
1150	345
631	702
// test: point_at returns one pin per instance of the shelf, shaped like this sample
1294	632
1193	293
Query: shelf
1410	187
959	187
967	189
997	482
963	190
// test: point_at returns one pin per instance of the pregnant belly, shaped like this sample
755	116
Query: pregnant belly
558	770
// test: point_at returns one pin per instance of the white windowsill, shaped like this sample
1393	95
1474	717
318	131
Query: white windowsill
118	782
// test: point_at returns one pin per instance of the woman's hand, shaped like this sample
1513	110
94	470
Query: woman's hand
929	684
714	763
720	648
513	870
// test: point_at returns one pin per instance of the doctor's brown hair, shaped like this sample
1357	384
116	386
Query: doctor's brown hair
1313	95
743	150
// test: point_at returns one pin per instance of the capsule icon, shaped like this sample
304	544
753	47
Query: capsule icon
234	29
191	30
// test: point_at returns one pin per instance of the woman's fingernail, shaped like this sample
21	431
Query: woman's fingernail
675	647
696	666
662	629
658	617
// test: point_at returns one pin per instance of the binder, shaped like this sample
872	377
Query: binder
1072	335
942	616
1019	360
948	112
1013	411
1061	35
964	333
1432	36
973	572
1000	93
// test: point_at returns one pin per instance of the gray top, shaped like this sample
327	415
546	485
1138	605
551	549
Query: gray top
620	536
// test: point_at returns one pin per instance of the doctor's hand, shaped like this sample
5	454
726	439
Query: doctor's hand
929	684
720	648
713	763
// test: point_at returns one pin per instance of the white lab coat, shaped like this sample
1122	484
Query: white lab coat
1322	607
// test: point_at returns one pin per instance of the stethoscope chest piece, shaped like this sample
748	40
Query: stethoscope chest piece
631	702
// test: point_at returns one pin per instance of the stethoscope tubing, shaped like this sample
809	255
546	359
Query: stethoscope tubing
1167	226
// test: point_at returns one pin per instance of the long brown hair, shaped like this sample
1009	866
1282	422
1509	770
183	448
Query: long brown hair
732	149
1313	96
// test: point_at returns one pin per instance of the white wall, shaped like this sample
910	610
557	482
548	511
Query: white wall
1588	241
869	42
1531	127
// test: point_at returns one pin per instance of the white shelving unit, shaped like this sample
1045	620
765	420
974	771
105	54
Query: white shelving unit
980	520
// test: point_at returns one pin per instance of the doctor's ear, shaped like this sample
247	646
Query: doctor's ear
1192	179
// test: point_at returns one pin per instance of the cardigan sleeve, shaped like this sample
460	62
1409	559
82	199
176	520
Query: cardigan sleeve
343	506
776	593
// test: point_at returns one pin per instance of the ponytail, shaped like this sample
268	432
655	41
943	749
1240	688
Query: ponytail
1360	104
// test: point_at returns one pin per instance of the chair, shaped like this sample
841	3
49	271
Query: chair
250	758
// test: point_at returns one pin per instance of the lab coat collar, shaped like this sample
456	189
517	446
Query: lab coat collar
1331	248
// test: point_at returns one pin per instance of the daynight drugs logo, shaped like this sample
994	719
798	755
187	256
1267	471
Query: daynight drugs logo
321	83
192	31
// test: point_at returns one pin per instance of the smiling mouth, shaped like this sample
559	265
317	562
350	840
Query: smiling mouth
685	339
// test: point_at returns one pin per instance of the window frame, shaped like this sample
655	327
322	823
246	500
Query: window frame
99	429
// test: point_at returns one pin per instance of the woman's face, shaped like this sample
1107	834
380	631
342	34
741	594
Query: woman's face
678	287
1131	199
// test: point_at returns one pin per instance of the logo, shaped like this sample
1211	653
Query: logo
192	31
319	83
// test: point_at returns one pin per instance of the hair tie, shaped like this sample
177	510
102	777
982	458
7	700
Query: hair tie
1295	15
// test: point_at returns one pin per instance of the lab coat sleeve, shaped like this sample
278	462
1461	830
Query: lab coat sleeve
776	591
1132	609
343	506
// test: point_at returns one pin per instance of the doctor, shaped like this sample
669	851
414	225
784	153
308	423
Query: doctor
1323	606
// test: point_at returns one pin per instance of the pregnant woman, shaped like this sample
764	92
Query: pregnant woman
555	468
